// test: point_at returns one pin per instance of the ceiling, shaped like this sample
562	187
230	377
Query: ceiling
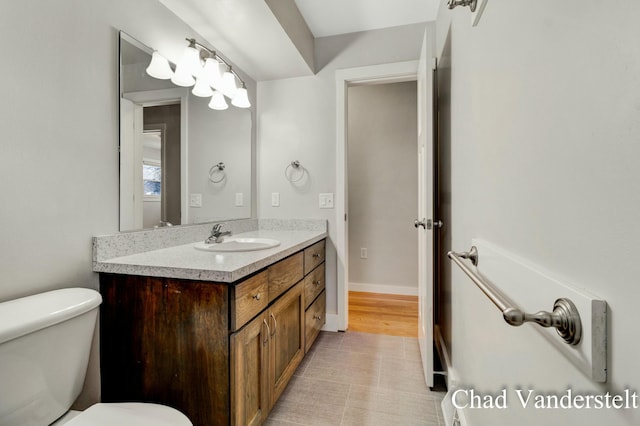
332	17
249	34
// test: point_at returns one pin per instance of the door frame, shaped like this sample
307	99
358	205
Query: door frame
165	97
374	74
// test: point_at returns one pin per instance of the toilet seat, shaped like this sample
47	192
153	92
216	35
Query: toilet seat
130	414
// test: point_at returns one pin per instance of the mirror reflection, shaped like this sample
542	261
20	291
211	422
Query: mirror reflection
180	161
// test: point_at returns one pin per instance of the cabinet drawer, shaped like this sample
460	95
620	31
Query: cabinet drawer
284	274
313	284
250	297
313	256
314	320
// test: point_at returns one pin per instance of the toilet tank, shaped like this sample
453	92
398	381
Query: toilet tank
45	341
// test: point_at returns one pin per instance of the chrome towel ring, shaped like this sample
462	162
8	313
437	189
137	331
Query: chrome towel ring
294	172
216	173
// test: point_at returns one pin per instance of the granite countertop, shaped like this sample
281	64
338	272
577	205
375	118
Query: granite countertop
186	262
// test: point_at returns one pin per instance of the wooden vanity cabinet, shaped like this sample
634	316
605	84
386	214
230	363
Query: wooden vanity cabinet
166	341
250	355
221	353
314	289
264	356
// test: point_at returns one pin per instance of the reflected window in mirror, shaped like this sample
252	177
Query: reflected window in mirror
152	179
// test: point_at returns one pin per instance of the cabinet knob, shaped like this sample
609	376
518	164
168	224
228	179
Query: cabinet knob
318	282
318	317
256	296
316	255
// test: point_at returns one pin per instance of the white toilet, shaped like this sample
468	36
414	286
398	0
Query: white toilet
45	342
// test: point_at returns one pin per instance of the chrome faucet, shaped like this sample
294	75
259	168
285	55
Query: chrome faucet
217	236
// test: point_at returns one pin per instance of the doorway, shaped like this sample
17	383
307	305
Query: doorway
165	121
140	112
390	73
376	74
382	183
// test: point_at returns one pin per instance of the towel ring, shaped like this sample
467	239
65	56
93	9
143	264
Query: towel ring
217	170
291	169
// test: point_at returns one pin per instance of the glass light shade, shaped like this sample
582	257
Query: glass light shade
191	61
182	77
202	88
229	87
218	102
241	99
212	73
159	67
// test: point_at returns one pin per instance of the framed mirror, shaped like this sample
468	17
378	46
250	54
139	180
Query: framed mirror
180	161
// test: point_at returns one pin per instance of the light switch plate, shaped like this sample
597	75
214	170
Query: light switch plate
325	200
275	199
239	199
195	200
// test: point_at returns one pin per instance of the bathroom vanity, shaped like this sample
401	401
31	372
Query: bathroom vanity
219	343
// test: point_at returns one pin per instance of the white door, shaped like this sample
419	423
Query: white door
424	223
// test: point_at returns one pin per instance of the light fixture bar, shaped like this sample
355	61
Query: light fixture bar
214	55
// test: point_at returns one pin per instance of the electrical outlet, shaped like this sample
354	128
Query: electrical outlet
363	253
275	199
195	200
239	199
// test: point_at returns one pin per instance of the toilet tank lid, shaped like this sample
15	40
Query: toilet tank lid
32	313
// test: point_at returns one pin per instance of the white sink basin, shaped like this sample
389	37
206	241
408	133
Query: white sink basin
232	244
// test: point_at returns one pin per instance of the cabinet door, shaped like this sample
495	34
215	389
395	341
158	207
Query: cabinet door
314	320
286	320
250	373
166	341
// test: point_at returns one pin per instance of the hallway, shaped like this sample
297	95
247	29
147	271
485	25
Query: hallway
390	314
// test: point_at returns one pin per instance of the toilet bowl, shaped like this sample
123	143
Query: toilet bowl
45	341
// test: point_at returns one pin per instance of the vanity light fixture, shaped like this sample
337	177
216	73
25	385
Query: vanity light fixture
187	67
218	102
201	67
471	3
159	67
229	87
202	88
241	99
213	73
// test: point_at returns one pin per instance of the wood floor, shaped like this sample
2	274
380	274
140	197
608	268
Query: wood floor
389	314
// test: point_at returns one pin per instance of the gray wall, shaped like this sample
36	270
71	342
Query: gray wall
59	120
543	111
383	187
214	137
297	121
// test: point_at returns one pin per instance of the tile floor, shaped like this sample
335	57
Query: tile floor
360	379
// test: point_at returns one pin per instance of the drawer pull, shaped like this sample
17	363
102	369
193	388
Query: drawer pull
266	338
256	296
275	325
318	282
316	255
318	317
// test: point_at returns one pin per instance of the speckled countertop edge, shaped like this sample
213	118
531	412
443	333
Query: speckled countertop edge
185	262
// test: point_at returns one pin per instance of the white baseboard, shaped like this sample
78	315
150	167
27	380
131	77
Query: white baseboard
384	289
332	322
441	347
